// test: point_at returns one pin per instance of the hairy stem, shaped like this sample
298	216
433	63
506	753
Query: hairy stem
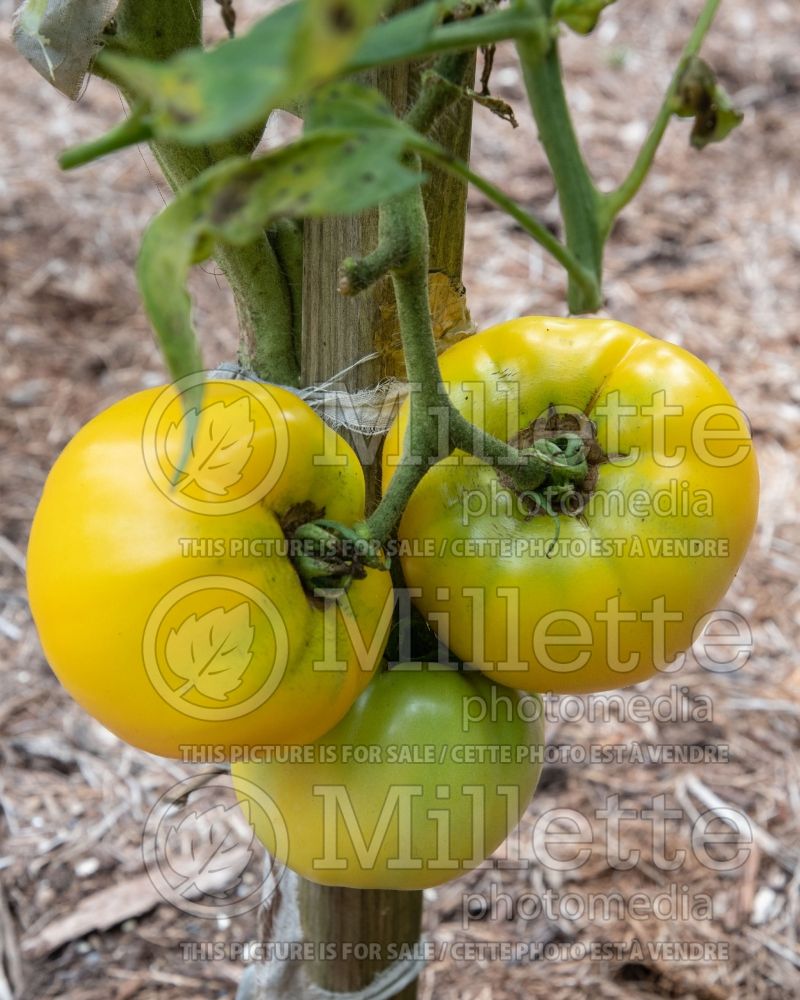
155	30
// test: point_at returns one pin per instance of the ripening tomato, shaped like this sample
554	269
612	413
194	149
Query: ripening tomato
424	777
160	576
649	540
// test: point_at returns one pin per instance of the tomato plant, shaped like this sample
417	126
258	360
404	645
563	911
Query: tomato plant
649	536
160	579
162	583
407	791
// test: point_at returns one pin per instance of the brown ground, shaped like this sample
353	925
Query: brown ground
707	256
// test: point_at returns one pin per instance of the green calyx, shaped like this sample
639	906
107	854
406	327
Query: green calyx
328	555
552	465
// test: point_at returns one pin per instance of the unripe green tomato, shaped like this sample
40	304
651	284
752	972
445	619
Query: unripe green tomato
423	779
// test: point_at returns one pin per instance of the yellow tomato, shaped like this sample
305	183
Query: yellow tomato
160	580
658	528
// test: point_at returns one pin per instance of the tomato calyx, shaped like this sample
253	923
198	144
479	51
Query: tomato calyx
565	447
327	555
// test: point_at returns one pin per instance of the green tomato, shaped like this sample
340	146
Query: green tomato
423	779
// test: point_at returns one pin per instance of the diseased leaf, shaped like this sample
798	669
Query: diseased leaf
211	652
214	848
326	172
502	109
699	96
200	97
580	15
220	437
349	105
207	96
330	31
497	106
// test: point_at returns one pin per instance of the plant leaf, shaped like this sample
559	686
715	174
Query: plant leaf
206	96
326	172
580	15
60	38
699	96
212	651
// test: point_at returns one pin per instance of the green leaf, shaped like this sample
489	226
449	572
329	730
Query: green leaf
580	15
699	96
206	96
330	31
349	105
401	37
329	171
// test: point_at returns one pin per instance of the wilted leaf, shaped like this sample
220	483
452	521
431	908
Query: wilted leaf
214	848
60	38
580	15
220	437
699	96
502	109
212	652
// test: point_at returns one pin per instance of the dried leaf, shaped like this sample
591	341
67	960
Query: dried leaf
60	38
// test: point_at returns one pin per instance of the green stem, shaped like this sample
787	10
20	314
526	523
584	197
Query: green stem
403	250
286	240
578	198
157	30
583	277
613	202
404	223
457	35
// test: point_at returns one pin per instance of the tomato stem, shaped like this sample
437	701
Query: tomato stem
257	273
614	201
578	197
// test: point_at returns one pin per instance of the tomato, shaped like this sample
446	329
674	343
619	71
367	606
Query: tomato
423	778
649	541
161	582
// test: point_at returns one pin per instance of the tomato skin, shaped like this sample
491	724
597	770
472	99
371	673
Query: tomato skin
438	720
539	628
171	613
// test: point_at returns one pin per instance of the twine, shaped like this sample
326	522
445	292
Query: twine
368	412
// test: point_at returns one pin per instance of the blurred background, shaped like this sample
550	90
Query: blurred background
707	256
